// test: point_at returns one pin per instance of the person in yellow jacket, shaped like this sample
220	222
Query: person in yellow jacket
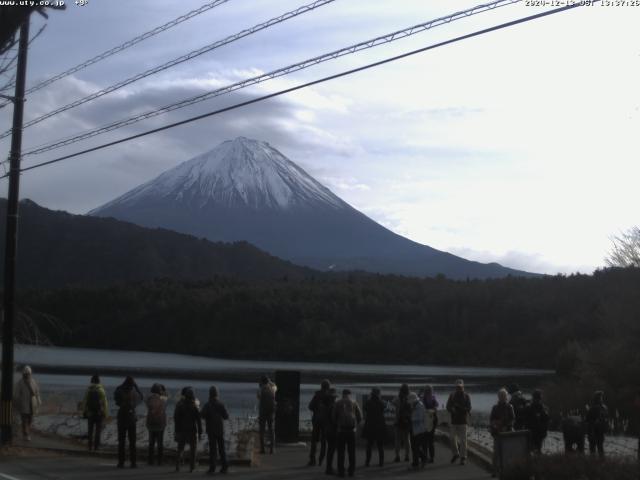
95	408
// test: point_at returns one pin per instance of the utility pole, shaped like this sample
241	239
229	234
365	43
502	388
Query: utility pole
9	310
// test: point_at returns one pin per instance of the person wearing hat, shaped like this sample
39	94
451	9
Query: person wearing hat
597	421
375	427
318	420
537	421
26	398
418	430
459	406
346	416
156	421
127	397
95	408
188	427
266	411
214	413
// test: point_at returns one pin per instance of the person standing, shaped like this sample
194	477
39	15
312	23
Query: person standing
501	420
403	422
127	397
519	404
431	405
318	420
459	406
214	413
636	404
95	409
346	416
597	420
266	411
188	427
418	429
156	421
537	421
26	397
375	427
330	430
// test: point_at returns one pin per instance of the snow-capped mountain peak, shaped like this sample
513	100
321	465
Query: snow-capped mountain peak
237	173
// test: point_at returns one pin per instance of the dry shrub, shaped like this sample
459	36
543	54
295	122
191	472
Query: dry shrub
577	467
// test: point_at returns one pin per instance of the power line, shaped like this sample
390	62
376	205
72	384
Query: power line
178	60
127	44
308	84
276	73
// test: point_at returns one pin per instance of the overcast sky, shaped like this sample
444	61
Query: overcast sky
519	147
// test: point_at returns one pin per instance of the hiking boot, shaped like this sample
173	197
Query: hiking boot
224	469
454	458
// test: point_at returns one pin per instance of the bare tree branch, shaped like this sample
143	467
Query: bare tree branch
626	249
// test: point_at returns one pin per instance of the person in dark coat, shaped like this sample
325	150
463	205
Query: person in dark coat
330	429
519	404
501	420
597	420
266	412
213	414
537	421
318	420
431	405
188	426
346	416
459	406
156	421
127	397
375	427
95	408
573	431
402	425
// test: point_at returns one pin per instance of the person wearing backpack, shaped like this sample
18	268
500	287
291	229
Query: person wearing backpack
431	405
459	407
318	420
266	411
127	397
346	416
187	427
26	397
537	421
402	424
375	427
330	429
214	413
156	421
95	409
597	420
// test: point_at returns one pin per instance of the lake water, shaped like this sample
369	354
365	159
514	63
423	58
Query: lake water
62	391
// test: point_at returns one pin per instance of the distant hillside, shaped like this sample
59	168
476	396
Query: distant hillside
57	249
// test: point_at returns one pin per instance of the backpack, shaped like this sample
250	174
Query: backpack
404	414
155	411
267	400
346	416
94	404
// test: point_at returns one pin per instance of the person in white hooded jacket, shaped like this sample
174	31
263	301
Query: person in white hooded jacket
418	431
26	399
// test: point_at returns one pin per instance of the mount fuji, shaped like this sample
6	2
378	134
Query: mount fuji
247	190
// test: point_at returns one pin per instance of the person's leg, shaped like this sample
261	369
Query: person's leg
430	446
212	453
160	447
495	457
91	423
131	430
351	449
463	443
315	435
323	444
407	444
331	450
261	423
453	436
340	445
398	441
193	442
600	444
272	434
414	451
223	455
180	451
367	459
592	442
122	435
380	444
98	426
152	441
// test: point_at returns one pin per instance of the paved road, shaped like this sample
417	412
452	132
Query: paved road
288	463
